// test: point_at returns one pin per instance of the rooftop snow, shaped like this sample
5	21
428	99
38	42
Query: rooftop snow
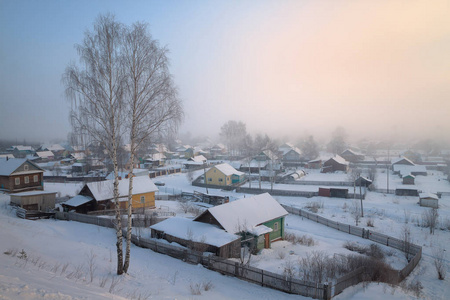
247	213
78	200
103	190
228	170
33	193
8	166
201	232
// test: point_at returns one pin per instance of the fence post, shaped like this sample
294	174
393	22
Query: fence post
262	277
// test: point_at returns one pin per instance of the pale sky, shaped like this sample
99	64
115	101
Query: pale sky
282	67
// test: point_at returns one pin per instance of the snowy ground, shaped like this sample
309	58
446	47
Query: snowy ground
155	276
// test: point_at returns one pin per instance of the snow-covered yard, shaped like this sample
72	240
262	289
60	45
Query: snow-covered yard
155	276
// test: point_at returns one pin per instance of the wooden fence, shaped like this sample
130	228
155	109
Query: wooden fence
355	277
265	278
224	266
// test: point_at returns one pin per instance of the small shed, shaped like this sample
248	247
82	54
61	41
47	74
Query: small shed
428	200
363	181
409	179
34	200
333	192
81	204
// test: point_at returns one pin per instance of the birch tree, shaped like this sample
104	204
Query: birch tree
151	98
96	89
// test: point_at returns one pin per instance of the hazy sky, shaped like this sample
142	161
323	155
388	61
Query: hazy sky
282	67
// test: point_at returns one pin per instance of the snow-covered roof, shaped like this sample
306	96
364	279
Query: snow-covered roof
351	152
295	149
78	200
103	190
255	164
247	213
198	159
428	195
405	170
52	147
8	166
23	148
79	155
228	170
155	157
399	159
7	156
45	154
339	159
197	231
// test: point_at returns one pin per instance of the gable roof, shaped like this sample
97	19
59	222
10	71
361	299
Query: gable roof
428	195
246	213
350	152
228	170
45	154
339	159
403	160
103	190
8	166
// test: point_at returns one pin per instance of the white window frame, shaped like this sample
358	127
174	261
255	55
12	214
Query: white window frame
220	179
36	178
25	167
275	226
142	199
209	179
17	181
26	179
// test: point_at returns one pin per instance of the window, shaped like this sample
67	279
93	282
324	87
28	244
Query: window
228	178
275	226
35	178
220	179
142	199
25	167
27	179
17	180
209	179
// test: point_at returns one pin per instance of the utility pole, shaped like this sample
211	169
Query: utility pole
387	171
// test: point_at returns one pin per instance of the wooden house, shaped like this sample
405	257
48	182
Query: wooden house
292	157
334	164
45	156
19	174
34	200
258	219
352	156
429	200
363	181
401	161
102	192
20	151
195	162
198	236
224	174
408	179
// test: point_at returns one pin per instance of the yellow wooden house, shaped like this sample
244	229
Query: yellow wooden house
102	192
224	175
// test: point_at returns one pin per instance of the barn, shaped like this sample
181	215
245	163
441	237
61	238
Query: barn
198	236
34	200
334	164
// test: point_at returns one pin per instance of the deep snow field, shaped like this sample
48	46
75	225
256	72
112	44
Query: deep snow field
58	253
